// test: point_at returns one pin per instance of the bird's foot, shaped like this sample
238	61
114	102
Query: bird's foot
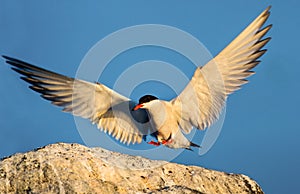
164	142
154	143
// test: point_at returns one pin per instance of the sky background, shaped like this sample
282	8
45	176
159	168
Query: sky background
260	136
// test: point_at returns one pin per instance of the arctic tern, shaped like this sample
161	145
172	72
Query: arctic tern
198	105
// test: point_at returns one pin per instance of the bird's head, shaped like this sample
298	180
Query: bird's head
145	102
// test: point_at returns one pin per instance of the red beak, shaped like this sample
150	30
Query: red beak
138	107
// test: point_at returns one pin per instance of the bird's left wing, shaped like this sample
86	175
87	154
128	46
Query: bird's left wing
201	102
103	106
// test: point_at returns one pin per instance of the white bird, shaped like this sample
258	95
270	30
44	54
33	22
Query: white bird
198	105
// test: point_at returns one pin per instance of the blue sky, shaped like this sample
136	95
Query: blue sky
260	136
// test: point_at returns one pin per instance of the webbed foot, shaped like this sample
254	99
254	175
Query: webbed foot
154	143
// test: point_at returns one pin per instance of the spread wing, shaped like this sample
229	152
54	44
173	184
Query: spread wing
103	106
201	102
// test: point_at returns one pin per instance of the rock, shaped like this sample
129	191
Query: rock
73	168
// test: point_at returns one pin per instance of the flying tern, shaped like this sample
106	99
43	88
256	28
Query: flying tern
198	105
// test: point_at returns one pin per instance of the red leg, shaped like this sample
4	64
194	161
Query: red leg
154	143
167	141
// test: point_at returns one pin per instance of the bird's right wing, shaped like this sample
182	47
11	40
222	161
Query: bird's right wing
106	108
201	102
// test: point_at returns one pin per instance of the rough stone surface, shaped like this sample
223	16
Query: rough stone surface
73	168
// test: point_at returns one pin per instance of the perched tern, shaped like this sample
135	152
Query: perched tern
198	105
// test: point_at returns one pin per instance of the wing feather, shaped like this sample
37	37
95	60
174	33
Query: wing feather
201	102
103	106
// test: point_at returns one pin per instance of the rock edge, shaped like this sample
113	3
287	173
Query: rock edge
73	168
